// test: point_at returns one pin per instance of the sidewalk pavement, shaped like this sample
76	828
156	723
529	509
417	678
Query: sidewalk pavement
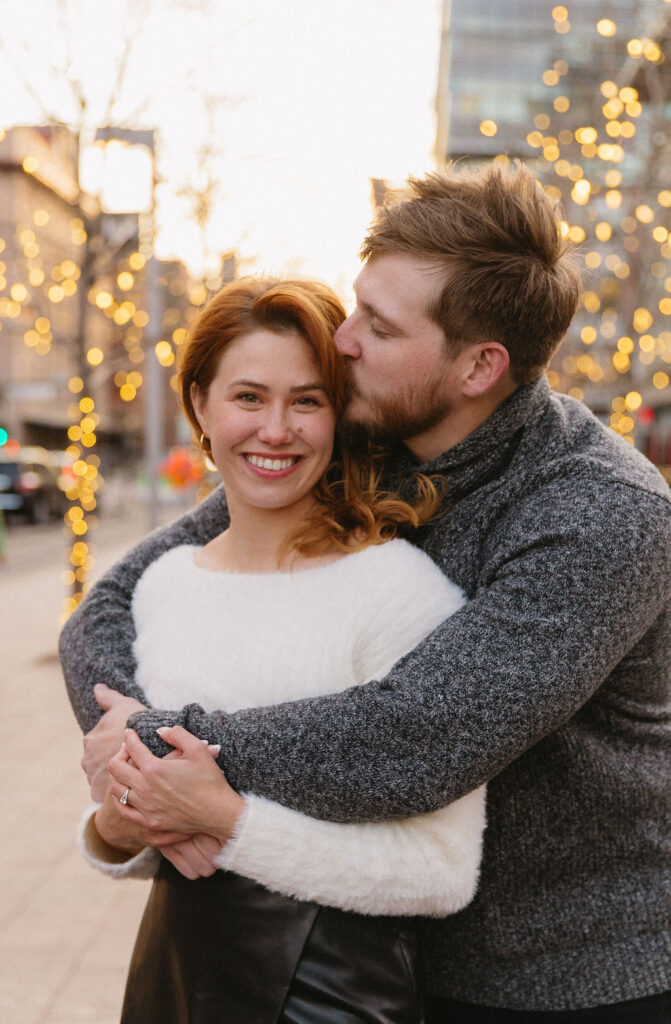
67	932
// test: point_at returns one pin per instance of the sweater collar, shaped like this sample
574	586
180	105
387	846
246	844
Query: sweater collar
486	452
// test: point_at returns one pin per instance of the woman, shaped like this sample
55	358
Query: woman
306	921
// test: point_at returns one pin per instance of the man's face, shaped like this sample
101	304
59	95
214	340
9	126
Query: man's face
401	378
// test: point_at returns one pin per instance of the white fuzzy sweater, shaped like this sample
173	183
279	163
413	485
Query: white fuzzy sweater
232	641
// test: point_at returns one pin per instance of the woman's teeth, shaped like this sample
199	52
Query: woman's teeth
276	464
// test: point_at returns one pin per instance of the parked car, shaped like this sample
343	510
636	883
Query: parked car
32	484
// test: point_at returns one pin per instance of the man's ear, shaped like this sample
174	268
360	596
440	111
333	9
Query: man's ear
488	363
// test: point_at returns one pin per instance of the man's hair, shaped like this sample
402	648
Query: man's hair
509	275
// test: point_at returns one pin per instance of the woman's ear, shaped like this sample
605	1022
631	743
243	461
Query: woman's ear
198	402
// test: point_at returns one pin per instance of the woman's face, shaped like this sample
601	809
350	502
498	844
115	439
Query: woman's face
269	421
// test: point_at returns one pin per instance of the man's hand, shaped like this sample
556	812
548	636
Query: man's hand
103	741
193	857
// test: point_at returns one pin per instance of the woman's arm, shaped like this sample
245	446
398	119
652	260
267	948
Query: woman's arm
96	643
423	865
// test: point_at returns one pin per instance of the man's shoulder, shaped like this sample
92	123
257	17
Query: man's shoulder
569	445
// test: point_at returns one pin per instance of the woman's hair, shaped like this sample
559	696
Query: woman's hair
509	276
351	510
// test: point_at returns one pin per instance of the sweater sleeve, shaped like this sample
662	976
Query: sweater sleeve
95	850
570	581
96	643
424	865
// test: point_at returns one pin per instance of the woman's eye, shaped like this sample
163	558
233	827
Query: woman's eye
306	401
247	397
377	332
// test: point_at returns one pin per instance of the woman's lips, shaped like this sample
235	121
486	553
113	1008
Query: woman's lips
272	466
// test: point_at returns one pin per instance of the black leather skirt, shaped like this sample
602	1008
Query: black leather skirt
224	950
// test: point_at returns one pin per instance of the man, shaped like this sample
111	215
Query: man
552	683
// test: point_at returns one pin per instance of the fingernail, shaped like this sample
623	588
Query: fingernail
215	748
162	729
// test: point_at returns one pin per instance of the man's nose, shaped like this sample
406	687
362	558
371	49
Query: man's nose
345	340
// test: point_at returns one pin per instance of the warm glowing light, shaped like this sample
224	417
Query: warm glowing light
56	293
30	164
593	260
660	380
603	231
635	48
95	356
644	214
660	234
613	199
19	292
625	345
591	302
628	94
488	128
633	400
651	51
86	405
164	353
664	197
75	385
104	300
550	77
621	362
642	319
585	135
581	192
535	139
561	104
606	27
127	392
40	218
588	335
576	234
559	13
125	281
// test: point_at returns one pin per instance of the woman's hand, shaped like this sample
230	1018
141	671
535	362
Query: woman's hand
121	834
103	741
185	793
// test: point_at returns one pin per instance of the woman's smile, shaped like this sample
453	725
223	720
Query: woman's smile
272	465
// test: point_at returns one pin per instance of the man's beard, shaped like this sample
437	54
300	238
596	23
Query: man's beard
390	420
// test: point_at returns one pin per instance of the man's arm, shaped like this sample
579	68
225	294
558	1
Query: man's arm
562	600
96	643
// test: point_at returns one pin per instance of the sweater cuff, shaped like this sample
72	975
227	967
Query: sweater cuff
107	859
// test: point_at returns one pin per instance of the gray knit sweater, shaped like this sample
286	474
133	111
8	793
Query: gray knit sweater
553	682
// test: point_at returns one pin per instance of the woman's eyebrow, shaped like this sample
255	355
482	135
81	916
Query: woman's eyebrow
312	386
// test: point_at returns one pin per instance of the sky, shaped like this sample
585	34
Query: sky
288	107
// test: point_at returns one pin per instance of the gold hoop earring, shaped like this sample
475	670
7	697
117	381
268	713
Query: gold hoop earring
207	448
